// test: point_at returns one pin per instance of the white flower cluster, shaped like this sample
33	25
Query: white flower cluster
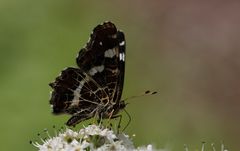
91	138
96	138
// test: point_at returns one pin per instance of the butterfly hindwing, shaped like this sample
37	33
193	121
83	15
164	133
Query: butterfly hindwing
74	91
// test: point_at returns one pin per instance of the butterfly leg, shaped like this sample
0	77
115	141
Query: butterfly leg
110	115
119	122
75	119
99	118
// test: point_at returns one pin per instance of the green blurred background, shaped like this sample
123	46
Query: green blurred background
187	50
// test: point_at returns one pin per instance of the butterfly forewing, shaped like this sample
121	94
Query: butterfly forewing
103	59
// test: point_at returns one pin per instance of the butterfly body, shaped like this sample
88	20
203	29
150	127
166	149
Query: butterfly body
94	88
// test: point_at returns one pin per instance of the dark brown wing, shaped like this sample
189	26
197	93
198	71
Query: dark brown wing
74	92
86	92
103	59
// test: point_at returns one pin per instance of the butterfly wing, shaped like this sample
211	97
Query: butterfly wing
75	92
84	92
103	59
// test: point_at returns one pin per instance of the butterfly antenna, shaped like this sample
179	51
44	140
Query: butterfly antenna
146	93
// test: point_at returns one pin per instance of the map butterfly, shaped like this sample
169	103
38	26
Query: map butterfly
94	88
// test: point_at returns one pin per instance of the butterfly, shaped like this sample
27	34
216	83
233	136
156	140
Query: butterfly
94	88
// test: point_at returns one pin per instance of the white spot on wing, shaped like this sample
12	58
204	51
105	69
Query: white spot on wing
96	69
122	43
110	53
122	56
76	93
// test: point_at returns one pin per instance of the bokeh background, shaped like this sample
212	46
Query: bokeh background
187	50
